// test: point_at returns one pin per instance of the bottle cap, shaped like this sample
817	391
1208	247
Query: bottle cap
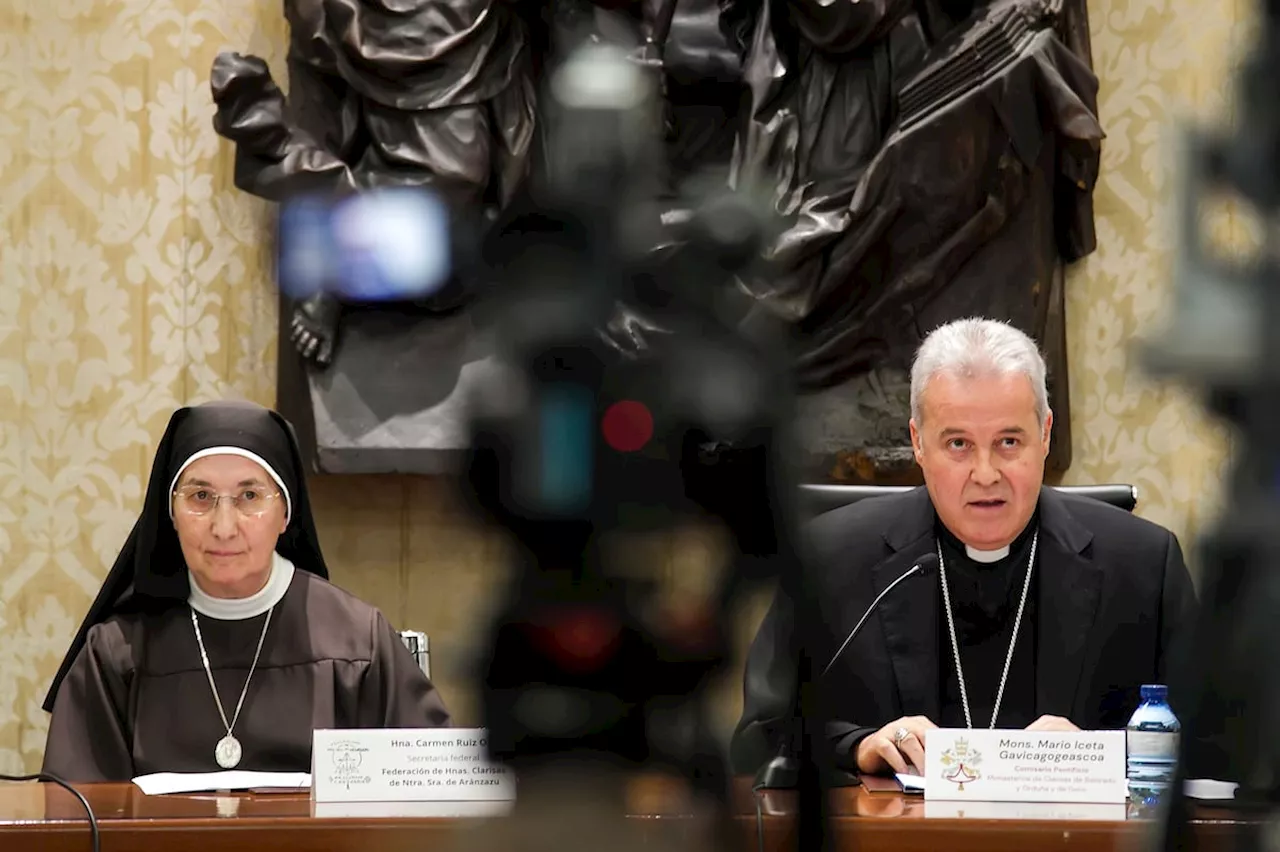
1154	692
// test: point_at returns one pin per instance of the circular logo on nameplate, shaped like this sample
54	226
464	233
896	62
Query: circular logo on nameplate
346	756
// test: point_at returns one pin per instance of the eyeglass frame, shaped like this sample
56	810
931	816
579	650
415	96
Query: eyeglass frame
273	494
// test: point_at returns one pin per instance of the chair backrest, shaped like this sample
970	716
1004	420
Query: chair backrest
816	499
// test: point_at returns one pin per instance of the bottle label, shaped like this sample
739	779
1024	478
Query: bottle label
1153	745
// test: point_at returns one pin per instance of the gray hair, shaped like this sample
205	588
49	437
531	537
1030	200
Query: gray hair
975	347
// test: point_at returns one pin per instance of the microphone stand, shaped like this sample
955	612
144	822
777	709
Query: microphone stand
782	772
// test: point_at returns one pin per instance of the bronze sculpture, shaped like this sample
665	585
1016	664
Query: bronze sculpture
920	185
432	93
441	93
438	93
911	196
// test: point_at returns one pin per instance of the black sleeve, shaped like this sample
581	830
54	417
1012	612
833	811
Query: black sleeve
768	696
1177	612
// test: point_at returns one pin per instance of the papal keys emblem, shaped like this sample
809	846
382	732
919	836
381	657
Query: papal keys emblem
960	764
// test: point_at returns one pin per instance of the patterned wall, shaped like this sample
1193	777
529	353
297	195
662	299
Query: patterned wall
132	281
1155	66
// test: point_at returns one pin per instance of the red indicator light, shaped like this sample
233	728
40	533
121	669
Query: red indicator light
577	639
627	426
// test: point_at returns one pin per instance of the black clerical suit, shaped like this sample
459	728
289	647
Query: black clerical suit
1110	595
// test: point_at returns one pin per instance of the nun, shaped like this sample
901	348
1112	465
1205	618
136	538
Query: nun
217	641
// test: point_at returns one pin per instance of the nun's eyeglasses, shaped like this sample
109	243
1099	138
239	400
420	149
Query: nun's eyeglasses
250	502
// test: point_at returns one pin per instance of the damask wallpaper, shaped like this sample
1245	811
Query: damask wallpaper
133	279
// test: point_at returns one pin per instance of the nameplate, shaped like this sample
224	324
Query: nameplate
406	765
1025	766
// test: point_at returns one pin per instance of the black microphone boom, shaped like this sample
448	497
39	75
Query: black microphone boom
926	564
783	771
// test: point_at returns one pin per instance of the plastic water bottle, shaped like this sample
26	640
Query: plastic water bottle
1152	746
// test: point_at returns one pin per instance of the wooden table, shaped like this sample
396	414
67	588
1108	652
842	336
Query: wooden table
46	818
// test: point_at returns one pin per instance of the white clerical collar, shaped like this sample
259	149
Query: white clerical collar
986	556
238	609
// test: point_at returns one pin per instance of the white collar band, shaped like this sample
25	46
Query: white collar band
238	609
986	556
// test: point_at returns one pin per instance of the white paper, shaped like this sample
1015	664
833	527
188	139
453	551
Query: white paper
160	783
910	783
1205	788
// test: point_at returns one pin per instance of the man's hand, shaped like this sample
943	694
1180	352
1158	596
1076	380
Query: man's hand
1052	723
886	750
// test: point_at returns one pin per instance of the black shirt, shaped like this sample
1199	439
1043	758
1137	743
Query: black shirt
984	601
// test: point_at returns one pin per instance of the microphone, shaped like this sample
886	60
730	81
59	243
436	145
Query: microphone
923	567
783	771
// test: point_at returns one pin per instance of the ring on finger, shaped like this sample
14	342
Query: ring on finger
899	735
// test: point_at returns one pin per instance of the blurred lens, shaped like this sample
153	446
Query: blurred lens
305	260
383	245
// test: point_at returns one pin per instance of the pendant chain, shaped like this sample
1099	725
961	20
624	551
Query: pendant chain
204	658
1013	641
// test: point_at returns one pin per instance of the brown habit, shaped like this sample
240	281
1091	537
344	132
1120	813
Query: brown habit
137	699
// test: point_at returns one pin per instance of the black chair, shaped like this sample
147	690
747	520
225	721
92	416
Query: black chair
816	499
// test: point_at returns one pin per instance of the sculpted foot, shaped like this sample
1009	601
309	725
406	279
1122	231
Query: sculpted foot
314	328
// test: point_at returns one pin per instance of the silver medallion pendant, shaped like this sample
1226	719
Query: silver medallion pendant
228	752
